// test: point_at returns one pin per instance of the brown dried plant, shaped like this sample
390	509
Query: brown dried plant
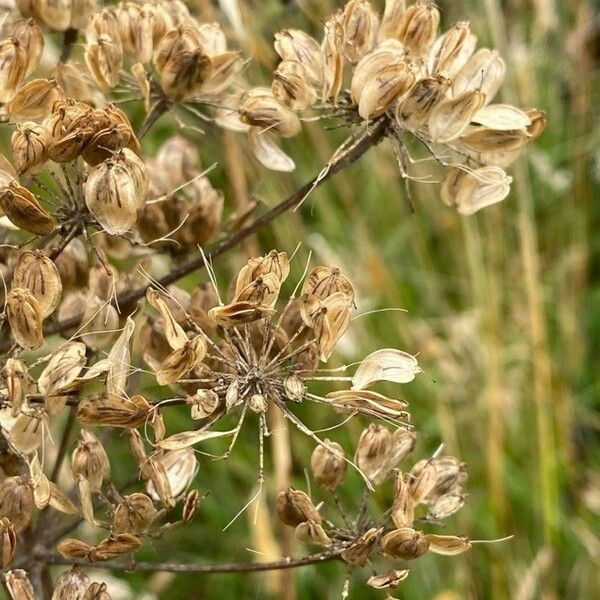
79	198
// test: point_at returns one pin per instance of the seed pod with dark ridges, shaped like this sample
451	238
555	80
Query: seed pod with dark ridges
296	45
23	209
72	548
110	410
291	86
104	60
451	117
13	66
328	465
452	50
190	505
18	585
260	108
372	450
360	23
418	26
16	501
295	507
25	318
184	73
361	549
90	460
30	144
71	585
134	514
31	37
35	100
16	378
414	109
115	546
404	543
8	542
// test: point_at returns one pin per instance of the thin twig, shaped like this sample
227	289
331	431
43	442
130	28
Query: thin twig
159	108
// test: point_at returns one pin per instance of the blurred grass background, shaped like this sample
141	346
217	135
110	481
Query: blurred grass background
503	309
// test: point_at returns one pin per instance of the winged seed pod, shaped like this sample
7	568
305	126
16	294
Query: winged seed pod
134	514
97	591
383	88
25	318
26	433
451	117
71	585
373	446
296	45
18	585
13	66
35	272
360	24
23	209
29	143
90	460
179	468
17	501
110	410
16	379
403	507
387	364
418	27
31	38
34	99
291	86
328	465
312	533
485	71
359	552
295	507
104	60
8	542
389	580
404	543
452	50
260	108
416	106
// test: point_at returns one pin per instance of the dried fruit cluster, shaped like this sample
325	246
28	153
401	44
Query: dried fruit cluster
79	199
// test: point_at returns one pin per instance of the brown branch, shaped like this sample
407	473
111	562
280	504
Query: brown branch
277	565
369	139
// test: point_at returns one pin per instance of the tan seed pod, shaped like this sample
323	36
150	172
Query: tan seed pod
262	291
446	505
392	15
296	45
360	25
35	272
267	152
104	59
174	41
180	468
96	591
8	542
389	580
414	109
223	70
328	465
260	108
403	511
322	282
361	549
451	117
184	74
23	210
422	480
90	460
387	364
451	475
27	432
61	502
372	450
72	548
55	13
115	546
312	533
295	507
17	501
404	543
333	61
34	100
402	444
484	71
237	313
71	585
13	66
18	585
448	545
25	318
30	143
111	410
31	37
16	378
63	368
182	360
69	147
418	26
134	514
204	214
452	50
294	388
368	402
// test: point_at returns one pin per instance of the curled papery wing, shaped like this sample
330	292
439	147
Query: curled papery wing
268	153
387	364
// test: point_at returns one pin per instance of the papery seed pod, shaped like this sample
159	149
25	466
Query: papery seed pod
179	468
265	149
383	88
446	505
493	141
448	545
333	61
134	514
387	364
404	544
35	272
451	117
16	378
18	585
185	73
360	24
182	360
35	100
368	402
452	50
113	411
484	71
392	17
371	452
402	444
71	585
23	210
322	282
414	109
30	143
182	38
72	548
296	45
470	191
538	122
361	549
61	502
90	460
8	542
104	59
31	37
261	109
418	27
237	313
262	291
294	388
328	465
115	546
291	86
274	263
422	480
295	507
97	591
403	511
55	13
16	501
503	117
257	403
25	318
63	368
389	580
26	433
13	66
451	474
312	533
190	505
223	70
204	214
112	196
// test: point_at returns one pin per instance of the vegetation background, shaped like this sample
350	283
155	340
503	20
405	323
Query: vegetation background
503	309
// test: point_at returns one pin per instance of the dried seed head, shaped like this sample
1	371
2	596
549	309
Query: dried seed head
134	514
8	542
111	410
30	143
360	24
35	272
359	552
448	545
23	209
296	45
312	533
71	585
372	450
484	71
31	37
418	27
389	580
404	544
13	66
16	378
260	108
16	501
18	585
90	460
295	507
25	318
328	465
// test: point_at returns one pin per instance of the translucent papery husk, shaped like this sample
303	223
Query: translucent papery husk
259	108
31	37
312	533
268	153
448	545
55	13
322	282
174	333
333	61
484	71
104	59
387	364
34	100
13	66
182	360
503	117
414	108
291	86
18	585
404	544
17	501
16	378
451	51
90	461
184	73
263	291
369	402
23	210
30	143
451	117
359	552
110	410
446	505
418	27
403	507
293	44
25	318
360	24
237	313
37	273
27	432
224	68
180	468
